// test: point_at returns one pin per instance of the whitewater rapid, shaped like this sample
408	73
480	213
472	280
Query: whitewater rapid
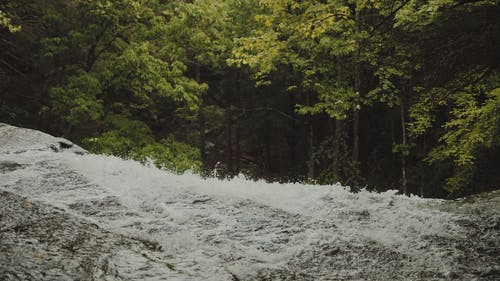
210	229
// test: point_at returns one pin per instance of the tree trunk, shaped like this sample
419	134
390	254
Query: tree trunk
238	147
238	126
403	149
357	87
421	178
201	129
355	137
337	132
267	152
293	158
292	141
311	172
337	137
229	140
310	164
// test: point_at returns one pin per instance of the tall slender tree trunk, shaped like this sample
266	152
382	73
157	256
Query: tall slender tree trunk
229	139
311	168
355	137
310	162
337	137
357	87
267	152
421	178
337	131
238	126
292	137
403	150
238	148
293	147
201	128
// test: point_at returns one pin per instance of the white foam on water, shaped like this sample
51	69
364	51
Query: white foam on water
215	229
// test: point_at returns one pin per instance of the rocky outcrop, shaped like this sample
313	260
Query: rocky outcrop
18	140
41	242
69	215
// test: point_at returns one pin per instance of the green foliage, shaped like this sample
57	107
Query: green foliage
475	125
416	14
122	137
336	102
403	149
171	155
134	139
136	70
6	22
348	172
203	26
78	101
304	36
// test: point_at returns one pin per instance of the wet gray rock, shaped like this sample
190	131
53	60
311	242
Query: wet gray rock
40	242
7	166
18	140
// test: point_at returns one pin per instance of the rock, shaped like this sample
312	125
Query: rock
39	242
7	166
19	140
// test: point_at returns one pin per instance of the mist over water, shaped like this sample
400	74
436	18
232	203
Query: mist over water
189	228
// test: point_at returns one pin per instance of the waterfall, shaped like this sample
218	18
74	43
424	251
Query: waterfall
66	214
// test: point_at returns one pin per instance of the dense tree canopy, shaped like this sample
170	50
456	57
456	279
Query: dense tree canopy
369	93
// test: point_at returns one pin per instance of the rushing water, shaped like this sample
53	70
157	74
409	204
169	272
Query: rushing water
69	215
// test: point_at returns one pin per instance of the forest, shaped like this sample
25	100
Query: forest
375	94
